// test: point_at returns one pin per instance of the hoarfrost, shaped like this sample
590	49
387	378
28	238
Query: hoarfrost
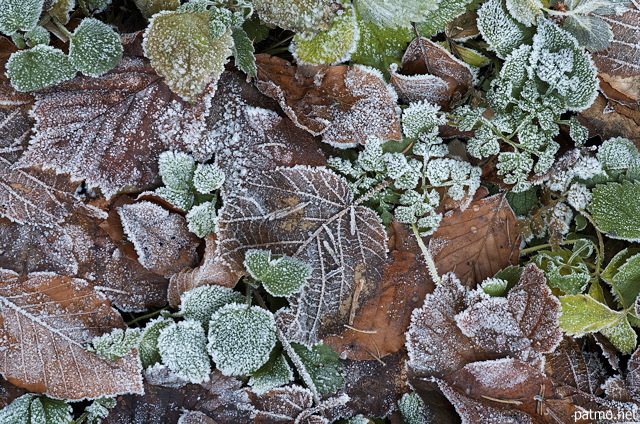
183	349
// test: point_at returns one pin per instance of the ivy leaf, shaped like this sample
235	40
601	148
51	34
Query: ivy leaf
281	277
389	13
18	15
275	373
39	67
582	314
616	210
182	50
94	47
183	348
622	273
323	365
503	33
43	332
243	52
435	20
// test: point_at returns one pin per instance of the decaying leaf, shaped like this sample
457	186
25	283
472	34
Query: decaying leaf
281	405
344	104
611	119
126	117
430	73
46	319
163	243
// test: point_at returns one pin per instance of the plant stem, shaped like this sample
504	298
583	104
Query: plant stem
302	371
600	252
431	265
543	246
149	315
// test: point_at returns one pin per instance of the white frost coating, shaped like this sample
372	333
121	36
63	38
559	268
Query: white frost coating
161	375
200	303
500	30
19	15
525	11
94	48
499	373
182	347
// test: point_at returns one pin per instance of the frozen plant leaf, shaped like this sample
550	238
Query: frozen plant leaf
182	50
97	6
202	218
200	303
622	336
177	170
39	67
275	373
616	209
622	273
591	32
183	348
243	52
582	314
503	33
94	48
525	11
323	366
332	45
207	177
618	154
283	276
305	17
148	342
60	9
99	410
389	13
379	47
151	7
421	117
116	344
44	329
32	409
241	338
564	270
36	36
413	409
19	15
436	19
281	405
494	286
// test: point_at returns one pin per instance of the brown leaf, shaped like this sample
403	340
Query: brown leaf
9	392
309	214
281	405
611	119
344	104
162	240
632	379
430	73
195	417
110	130
46	320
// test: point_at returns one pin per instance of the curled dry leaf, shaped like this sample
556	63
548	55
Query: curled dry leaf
46	320
127	116
430	73
344	104
162	240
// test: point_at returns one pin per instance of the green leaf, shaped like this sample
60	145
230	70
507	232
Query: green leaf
97	6
283	276
241	338
116	344
564	270
494	286
60	9
622	336
582	314
503	33
413	409
99	410
619	154
592	32
511	273
39	67
202	219
94	48
323	366
525	11
616	209
151	7
181	50
177	170
207	177
392	13
435	20
32	409
255	29
623	275
201	303
148	344
522	202
275	373
36	36
183	348
333	45
243	52
378	46
19	15
304	17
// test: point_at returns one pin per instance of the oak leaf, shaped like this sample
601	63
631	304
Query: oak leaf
46	319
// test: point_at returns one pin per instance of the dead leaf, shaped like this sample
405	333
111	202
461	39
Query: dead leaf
281	405
162	240
309	214
9	392
344	104
46	320
110	130
611	119
430	73
632	379
195	417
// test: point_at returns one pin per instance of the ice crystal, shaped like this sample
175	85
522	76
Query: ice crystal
243	52
241	338
39	67
283	276
207	177
200	303
18	15
94	48
202	218
275	373
116	344
455	174
183	348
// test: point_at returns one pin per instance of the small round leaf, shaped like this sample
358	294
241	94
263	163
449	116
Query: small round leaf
95	48
39	67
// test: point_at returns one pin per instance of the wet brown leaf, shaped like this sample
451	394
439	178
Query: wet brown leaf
344	104
46	319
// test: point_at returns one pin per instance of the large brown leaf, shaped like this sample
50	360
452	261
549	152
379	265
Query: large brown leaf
110	130
612	119
309	214
344	104
46	319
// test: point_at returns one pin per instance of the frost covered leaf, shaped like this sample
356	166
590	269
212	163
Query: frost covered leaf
162	241
60	9
183	348
207	177
31	409
413	410
430	73
591	32
582	314
500	30
308	214
622	274
19	15
389	13
525	11
379	47
616	210
116	344
94	48
304	17
283	276
241	338
338	103
200	303
202	218
622	336
435	20
275	373
323	365
44	328
151	7
148	342
243	52
39	67
281	405
182	50
122	110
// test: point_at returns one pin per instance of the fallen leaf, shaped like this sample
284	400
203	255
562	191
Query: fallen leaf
46	320
430	73
126	117
280	405
195	417
632	379
344	104
9	392
610	119
162	240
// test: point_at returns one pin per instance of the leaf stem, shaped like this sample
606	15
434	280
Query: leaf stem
600	251
431	265
149	315
543	246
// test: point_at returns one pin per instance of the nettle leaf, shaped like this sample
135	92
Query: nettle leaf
182	50
283	276
332	45
622	336
151	7
436	19
116	344
44	329
616	210
389	13
200	303
243	52
183	348
582	314
19	15
308	214
378	46
305	17
36	36
94	48
323	366
241	338
207	178
275	373
622	273
413	409
148	342
32	409
176	170
202	219
525	11
39	67
619	154
60	9
500	30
